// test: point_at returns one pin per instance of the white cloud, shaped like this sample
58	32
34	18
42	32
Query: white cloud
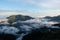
8	13
53	4
50	4
33	14
51	13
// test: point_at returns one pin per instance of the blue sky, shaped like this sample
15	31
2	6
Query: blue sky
30	7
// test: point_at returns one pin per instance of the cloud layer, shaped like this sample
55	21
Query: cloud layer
29	7
49	4
33	14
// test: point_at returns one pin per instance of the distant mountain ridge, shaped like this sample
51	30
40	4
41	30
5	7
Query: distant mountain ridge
14	18
55	18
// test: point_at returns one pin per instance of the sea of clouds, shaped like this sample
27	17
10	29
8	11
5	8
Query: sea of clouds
26	27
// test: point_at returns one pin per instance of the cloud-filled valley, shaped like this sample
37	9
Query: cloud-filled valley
22	28
29	19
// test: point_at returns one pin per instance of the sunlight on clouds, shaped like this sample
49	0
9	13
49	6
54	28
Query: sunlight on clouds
36	14
51	13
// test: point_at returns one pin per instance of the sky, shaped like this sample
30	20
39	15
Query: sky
35	8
